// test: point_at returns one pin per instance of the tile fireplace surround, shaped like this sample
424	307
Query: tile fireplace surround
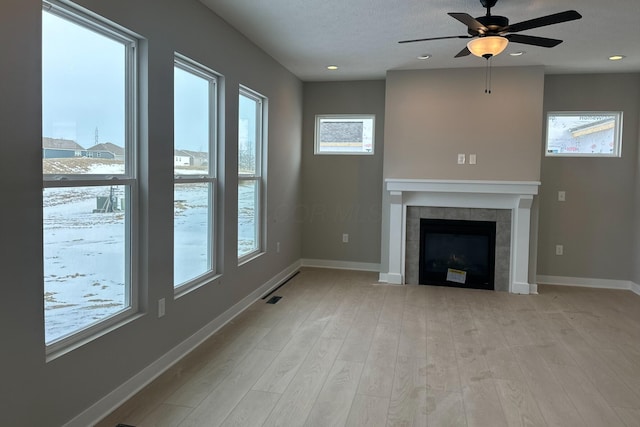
516	196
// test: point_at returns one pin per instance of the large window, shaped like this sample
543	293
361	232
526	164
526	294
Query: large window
250	179
584	133
89	170
344	134
195	173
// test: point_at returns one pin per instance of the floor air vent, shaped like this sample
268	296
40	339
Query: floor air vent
273	300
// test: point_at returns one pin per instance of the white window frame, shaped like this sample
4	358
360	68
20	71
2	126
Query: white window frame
191	66
258	177
129	179
617	138
344	118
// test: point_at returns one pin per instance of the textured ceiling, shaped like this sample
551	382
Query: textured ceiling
361	36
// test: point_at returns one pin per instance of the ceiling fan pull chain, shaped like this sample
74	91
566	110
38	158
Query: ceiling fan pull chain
487	77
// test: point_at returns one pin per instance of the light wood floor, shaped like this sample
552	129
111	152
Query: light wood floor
340	349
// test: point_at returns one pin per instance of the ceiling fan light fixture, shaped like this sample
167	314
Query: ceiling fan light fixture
486	47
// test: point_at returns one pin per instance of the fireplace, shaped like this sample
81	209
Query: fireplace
457	253
507	202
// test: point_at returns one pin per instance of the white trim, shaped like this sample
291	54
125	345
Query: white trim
341	265
520	288
124	392
533	289
584	282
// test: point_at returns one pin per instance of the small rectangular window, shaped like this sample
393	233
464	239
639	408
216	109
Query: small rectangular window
344	134
194	165
250	178
584	134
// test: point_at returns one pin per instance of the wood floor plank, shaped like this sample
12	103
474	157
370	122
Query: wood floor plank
252	410
408	404
334	401
296	402
278	375
377	376
368	411
445	409
165	415
518	403
213	410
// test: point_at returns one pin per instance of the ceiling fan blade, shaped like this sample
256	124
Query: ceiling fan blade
470	22
463	52
533	40
556	18
435	38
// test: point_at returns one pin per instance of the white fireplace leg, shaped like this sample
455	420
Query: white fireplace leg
395	239
520	233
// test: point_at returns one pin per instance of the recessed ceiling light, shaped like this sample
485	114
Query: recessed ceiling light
519	53
332	67
616	57
425	56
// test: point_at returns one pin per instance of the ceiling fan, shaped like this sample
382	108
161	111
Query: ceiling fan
490	34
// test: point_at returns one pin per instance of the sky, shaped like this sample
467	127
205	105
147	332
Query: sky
83	89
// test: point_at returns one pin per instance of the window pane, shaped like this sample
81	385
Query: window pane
83	99
247	217
344	134
584	134
192	225
84	257
191	123
247	135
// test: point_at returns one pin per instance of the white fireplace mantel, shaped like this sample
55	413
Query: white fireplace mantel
516	196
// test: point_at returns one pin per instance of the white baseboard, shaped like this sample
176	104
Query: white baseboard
533	289
341	265
589	283
117	397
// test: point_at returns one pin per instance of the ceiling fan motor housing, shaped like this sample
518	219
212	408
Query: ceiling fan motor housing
488	3
494	23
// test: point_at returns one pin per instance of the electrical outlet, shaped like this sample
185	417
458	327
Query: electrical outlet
278	247
461	159
472	159
562	196
559	250
345	238
161	307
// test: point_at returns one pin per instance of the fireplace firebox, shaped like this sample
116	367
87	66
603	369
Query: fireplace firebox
457	253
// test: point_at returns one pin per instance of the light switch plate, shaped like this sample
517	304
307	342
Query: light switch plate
461	159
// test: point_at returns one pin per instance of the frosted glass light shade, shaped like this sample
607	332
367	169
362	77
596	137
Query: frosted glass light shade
486	47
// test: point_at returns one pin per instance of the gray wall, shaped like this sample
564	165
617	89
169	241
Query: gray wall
433	115
341	193
596	224
39	393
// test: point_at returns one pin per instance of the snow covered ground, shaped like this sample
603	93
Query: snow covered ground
85	253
